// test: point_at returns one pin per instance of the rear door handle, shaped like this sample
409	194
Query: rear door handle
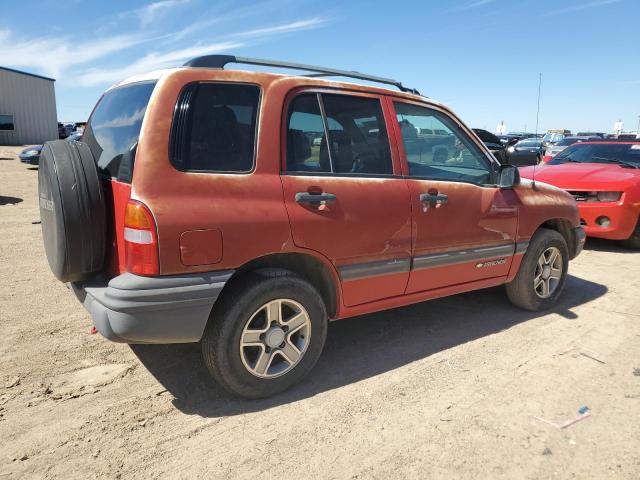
307	198
434	199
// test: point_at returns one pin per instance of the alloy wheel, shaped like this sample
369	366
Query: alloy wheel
275	338
548	272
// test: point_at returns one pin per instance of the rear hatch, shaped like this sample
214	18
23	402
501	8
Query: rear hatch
112	135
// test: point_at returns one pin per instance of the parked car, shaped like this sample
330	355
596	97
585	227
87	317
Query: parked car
551	138
628	136
216	235
564	143
31	155
604	179
600	135
493	143
514	137
65	129
526	152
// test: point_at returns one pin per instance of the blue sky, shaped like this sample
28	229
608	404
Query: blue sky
480	57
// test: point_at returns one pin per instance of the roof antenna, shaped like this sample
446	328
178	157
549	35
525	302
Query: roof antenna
533	177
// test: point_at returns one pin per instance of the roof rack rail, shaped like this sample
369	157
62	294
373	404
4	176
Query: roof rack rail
219	61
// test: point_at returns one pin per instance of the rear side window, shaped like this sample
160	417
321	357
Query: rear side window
214	128
355	126
113	130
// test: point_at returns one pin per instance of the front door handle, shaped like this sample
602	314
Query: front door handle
434	198
315	199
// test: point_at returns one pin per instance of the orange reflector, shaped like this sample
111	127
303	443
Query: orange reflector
137	216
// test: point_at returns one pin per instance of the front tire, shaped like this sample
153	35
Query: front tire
542	274
265	333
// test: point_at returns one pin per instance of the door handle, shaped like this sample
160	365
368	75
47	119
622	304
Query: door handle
315	199
434	198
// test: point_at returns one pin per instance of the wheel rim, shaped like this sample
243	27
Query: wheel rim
275	338
548	272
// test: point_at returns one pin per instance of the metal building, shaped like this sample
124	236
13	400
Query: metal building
27	108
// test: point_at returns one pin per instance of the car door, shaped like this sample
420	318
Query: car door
464	225
344	193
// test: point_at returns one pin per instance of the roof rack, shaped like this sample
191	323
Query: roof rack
219	61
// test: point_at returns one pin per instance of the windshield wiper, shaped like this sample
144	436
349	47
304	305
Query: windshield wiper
621	162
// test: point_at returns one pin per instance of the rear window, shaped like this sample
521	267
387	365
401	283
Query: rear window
114	127
214	128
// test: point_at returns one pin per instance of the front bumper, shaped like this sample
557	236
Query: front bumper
622	217
134	309
30	159
580	237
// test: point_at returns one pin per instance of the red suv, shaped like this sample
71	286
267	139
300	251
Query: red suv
244	210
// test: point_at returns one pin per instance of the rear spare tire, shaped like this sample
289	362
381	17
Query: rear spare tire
72	210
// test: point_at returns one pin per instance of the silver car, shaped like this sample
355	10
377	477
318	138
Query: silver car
553	150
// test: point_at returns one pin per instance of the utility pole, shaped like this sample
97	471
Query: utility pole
538	112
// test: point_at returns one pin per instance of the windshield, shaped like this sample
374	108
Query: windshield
552	137
113	129
625	154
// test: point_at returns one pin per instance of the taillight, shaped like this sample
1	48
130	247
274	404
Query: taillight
140	240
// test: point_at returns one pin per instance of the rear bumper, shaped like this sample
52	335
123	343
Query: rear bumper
622	217
134	309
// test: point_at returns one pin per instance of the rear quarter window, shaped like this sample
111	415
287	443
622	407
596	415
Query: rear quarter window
114	127
214	128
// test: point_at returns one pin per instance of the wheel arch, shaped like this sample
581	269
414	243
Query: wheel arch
308	267
565	228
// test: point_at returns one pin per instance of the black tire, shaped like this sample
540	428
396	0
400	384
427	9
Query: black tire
521	291
72	210
634	240
241	299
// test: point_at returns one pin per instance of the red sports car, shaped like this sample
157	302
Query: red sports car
604	178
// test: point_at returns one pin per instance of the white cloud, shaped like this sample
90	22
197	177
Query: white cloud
580	6
149	13
158	60
63	58
285	28
54	55
152	61
474	4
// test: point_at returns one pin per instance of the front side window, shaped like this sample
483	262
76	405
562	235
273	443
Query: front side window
7	123
357	136
446	154
215	128
113	129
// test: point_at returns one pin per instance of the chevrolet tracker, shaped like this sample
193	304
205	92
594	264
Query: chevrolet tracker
244	210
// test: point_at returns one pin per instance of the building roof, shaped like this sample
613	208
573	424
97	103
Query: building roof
27	73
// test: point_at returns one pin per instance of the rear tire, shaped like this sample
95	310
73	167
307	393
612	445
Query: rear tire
540	265
247	309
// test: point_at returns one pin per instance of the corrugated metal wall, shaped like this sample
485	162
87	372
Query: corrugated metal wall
32	102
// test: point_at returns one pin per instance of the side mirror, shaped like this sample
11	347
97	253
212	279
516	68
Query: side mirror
509	176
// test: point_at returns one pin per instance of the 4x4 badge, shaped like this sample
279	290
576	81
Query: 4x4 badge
492	263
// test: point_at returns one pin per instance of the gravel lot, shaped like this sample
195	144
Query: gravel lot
445	389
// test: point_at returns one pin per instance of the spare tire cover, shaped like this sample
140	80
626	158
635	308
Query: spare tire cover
72	210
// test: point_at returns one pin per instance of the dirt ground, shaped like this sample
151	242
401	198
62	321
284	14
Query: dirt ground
445	389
